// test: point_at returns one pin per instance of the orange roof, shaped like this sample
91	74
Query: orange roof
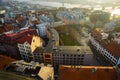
87	73
113	47
97	34
20	19
4	61
2	29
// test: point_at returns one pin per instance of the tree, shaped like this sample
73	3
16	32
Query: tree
99	16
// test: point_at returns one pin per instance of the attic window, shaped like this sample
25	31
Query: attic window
33	40
94	70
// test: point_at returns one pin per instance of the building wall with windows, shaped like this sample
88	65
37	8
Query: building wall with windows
72	55
27	45
108	48
67	55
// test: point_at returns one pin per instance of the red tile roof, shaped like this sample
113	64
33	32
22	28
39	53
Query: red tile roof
9	27
87	73
13	37
114	48
4	61
26	38
2	29
20	19
97	34
110	45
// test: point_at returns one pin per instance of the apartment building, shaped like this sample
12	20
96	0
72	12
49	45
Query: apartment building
106	45
27	45
65	55
72	55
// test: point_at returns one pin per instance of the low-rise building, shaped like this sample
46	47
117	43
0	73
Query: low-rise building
33	69
46	73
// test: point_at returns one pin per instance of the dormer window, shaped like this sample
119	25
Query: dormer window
33	40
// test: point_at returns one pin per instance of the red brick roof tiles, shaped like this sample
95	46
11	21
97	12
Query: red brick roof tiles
88	73
110	45
13	37
4	61
97	34
114	48
27	38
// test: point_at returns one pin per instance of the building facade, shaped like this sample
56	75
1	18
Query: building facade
27	45
42	29
109	48
65	55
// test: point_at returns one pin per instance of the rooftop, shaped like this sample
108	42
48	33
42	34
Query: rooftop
12	36
73	49
5	60
110	45
26	38
113	47
88	73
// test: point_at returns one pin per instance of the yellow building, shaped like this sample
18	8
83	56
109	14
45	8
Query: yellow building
27	45
46	73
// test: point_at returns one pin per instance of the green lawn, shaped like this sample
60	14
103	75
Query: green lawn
11	76
67	40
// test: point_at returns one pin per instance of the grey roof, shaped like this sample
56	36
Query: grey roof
72	49
38	50
52	41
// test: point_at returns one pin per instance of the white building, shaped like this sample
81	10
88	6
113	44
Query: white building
27	45
108	48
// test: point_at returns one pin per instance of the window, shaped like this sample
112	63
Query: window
74	55
82	55
33	40
47	56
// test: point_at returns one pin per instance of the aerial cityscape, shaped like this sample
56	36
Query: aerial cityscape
59	40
